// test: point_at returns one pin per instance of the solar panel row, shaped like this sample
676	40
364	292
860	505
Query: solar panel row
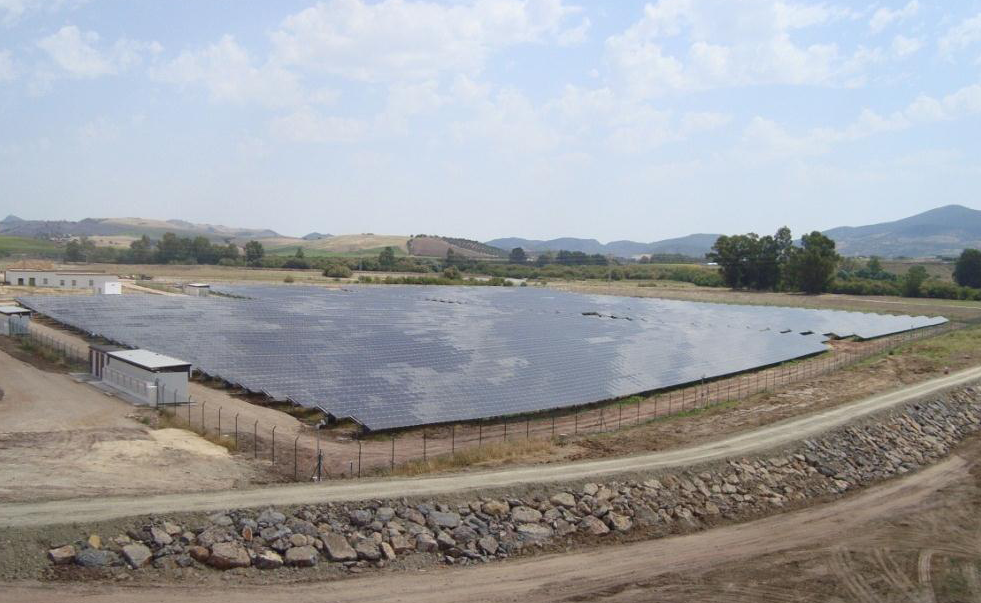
392	356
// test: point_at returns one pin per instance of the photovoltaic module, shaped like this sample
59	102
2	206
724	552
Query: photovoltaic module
399	356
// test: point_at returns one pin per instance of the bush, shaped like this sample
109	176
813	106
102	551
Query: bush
288	279
451	273
338	271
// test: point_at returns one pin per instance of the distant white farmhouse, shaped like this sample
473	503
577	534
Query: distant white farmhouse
100	282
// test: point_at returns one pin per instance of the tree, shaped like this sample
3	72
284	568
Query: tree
337	271
73	251
299	253
874	266
518	256
386	259
812	266
168	248
914	279
141	250
967	271
451	273
254	252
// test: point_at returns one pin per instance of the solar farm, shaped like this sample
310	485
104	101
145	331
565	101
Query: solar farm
393	357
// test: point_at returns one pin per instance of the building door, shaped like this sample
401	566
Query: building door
31	281
20	282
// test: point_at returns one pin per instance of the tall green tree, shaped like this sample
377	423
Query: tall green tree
73	251
518	256
913	280
254	252
967	270
386	259
812	266
141	250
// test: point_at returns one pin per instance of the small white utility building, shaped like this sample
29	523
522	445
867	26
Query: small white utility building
61	279
14	320
149	377
110	288
197	289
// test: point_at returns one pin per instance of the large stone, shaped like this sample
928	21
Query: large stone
592	525
368	549
445	541
524	514
137	555
360	517
620	523
496	508
338	548
590	489
94	558
95	541
268	559
271	518
171	528
62	555
426	543
400	543
385	514
488	544
534	532
199	553
302	556
463	533
387	551
160	536
228	555
449	521
563	499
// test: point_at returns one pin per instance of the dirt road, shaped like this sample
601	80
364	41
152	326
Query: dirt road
622	573
59	439
742	444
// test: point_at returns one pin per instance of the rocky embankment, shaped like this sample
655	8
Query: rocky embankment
355	537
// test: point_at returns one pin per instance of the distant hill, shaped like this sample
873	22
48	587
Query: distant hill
135	227
942	231
316	236
695	245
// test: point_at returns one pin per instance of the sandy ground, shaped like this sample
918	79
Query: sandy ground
59	439
742	444
814	554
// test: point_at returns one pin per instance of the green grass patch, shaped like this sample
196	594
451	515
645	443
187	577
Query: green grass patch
19	246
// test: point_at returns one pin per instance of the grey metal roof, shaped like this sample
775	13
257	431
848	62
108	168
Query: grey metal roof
149	360
8	310
396	356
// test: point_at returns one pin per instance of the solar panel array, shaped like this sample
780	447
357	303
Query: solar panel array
390	356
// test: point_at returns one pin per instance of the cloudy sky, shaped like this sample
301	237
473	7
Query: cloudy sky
535	118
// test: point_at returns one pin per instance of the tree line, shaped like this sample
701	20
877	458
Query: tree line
169	249
773	262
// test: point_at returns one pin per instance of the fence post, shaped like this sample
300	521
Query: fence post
255	440
553	427
359	459
393	452
294	457
188	409
219	422
576	432
236	430
424	445
452	439
203	427
480	434
527	428
274	445
620	418
505	429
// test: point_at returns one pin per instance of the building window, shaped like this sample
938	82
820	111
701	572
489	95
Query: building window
91	282
73	282
20	281
45	281
62	282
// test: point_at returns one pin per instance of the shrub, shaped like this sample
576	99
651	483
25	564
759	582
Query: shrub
338	271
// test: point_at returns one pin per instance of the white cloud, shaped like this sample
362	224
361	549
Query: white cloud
903	47
728	44
77	53
7	69
227	71
11	11
884	17
307	125
961	35
399	40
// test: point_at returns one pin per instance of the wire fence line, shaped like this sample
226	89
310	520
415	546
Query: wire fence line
71	354
302	457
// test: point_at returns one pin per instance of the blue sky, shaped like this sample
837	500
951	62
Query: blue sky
533	118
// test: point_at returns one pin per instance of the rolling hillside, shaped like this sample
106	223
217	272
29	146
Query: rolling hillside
942	231
695	245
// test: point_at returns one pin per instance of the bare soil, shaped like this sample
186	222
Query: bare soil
61	439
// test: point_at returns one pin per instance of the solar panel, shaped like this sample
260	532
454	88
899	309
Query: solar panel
394	356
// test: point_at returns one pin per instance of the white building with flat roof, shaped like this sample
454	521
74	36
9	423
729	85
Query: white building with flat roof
149	377
61	279
197	289
14	320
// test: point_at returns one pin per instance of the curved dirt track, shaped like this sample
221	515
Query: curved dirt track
622	572
756	441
